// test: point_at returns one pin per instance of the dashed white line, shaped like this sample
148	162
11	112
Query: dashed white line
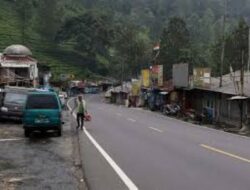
132	120
127	181
5	140
155	129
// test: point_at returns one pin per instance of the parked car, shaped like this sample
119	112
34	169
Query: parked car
43	112
13	101
62	99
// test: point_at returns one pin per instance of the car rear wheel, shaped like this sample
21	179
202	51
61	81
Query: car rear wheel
27	132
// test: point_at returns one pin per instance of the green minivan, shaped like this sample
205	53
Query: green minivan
43	112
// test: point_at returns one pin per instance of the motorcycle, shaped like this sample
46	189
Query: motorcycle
171	109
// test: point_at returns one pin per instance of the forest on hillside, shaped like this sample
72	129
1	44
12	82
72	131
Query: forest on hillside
116	37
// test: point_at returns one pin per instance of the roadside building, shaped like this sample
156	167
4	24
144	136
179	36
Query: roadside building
203	94
120	94
76	87
224	104
17	67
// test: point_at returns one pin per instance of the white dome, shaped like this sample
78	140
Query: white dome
17	50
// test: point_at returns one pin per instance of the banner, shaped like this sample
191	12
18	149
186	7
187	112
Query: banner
145	77
160	75
135	88
181	75
157	75
202	77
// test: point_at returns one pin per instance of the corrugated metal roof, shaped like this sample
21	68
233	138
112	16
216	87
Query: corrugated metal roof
230	84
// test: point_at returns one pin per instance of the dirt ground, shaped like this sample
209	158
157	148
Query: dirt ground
43	161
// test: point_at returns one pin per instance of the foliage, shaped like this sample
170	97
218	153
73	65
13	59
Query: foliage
236	49
48	19
25	12
115	37
92	33
175	44
131	50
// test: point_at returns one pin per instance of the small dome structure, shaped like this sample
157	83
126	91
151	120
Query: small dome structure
17	50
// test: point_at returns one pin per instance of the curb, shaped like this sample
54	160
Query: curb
77	152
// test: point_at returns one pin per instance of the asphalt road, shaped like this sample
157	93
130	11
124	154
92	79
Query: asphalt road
161	153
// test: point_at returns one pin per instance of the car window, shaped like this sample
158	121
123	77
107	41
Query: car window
15	98
42	101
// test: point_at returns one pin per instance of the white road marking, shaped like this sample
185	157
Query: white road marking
5	140
155	129
127	181
132	120
225	153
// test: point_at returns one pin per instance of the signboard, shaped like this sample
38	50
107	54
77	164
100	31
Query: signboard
145	77
135	88
160	75
157	75
181	75
202	77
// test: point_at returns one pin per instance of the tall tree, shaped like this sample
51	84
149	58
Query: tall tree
48	19
236	44
131	45
25	11
92	33
175	44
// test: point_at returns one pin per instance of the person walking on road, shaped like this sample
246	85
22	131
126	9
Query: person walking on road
80	104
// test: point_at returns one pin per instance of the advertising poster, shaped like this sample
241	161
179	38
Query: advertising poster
145	78
160	75
135	88
157	75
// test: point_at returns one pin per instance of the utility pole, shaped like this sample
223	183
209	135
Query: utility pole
248	64
241	88
223	42
242	74
122	74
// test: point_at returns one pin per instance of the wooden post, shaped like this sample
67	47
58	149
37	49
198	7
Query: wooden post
241	88
242	73
223	42
248	64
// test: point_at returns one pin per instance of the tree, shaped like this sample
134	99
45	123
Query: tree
92	33
175	44
131	49
49	19
236	44
25	11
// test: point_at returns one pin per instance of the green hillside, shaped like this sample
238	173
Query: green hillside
60	59
115	37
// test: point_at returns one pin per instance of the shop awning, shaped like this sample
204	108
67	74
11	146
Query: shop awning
238	98
15	65
163	93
